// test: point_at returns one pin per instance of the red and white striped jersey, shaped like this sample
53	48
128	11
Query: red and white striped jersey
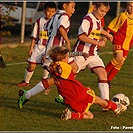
91	27
38	31
60	19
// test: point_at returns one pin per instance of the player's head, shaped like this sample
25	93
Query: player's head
68	7
49	9
101	8
130	8
59	53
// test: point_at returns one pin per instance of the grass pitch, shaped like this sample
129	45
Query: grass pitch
41	113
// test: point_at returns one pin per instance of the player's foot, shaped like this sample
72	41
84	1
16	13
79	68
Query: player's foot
22	98
46	92
66	114
118	110
23	83
59	99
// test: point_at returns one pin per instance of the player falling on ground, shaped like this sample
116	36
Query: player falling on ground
122	27
38	45
75	95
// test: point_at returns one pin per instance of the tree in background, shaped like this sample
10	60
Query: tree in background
5	19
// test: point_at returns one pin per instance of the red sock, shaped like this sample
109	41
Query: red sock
112	74
77	116
111	105
109	67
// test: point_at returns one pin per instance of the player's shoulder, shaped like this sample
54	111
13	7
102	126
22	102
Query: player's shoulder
41	18
123	14
87	17
62	13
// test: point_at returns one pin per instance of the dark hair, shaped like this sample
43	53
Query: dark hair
49	5
60	5
58	53
98	4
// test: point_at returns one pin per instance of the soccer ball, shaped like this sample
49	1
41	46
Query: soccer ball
123	100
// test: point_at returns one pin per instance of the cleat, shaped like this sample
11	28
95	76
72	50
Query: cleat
59	99
66	114
46	92
118	110
22	98
23	83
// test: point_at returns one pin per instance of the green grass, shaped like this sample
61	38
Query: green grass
41	113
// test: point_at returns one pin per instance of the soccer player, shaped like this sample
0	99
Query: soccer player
57	29
38	46
89	41
75	95
59	26
122	27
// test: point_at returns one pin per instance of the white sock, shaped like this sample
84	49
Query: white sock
45	74
35	90
28	76
104	90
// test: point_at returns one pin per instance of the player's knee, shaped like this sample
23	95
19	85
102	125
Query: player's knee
31	67
45	83
115	61
91	116
102	75
88	115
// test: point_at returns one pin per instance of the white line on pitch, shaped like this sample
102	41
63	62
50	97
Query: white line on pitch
20	63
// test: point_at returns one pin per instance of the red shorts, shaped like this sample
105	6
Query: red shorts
118	48
84	105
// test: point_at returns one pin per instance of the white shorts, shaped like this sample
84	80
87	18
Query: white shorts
91	62
37	54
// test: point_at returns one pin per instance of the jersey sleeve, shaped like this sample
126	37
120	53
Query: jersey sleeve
116	23
64	22
84	27
34	32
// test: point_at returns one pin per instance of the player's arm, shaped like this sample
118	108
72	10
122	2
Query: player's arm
106	34
33	37
32	46
83	34
65	36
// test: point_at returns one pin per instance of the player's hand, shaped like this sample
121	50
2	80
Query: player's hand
110	37
101	43
30	52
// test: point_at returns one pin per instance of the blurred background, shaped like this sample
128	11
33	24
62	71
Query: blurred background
14	22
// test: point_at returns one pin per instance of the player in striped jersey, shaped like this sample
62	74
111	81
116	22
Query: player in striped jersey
38	46
59	25
122	27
